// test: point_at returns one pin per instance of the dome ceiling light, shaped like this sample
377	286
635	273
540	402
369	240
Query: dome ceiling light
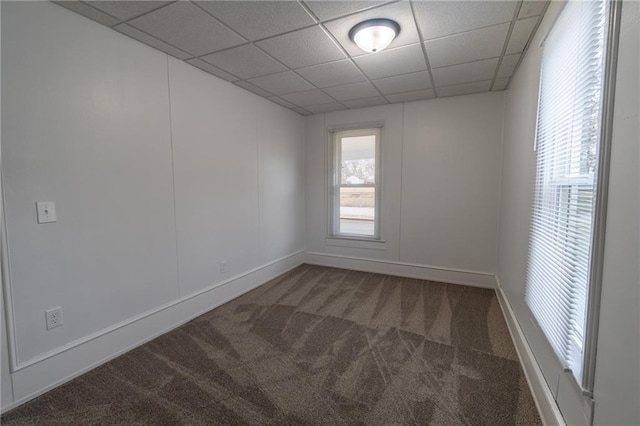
374	35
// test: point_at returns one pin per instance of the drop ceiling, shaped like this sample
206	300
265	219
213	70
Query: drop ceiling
298	53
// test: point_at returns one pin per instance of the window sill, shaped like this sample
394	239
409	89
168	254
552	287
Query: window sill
356	242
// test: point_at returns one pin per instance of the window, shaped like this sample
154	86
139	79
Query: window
355	189
568	144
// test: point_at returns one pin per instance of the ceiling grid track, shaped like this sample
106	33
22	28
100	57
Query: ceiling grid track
299	55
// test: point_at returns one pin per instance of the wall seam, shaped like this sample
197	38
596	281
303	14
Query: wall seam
501	183
173	180
399	257
258	189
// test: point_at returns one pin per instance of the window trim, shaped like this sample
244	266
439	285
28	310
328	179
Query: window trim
592	319
334	164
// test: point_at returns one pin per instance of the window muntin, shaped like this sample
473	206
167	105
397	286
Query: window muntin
355	190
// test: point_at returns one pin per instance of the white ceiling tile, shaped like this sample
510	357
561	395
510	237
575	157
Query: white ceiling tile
310	97
255	20
417	95
187	27
127	9
508	65
464	89
443	18
465	73
401	60
302	48
520	35
151	41
352	91
301	111
531	8
333	9
403	83
89	12
199	63
399	12
467	47
245	61
332	73
250	87
281	102
332	106
500	84
281	83
367	102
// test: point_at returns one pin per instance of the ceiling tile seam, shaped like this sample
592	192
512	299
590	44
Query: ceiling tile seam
290	70
424	49
344	51
411	91
350	14
372	81
258	40
192	56
306	9
309	12
270	94
466	31
253	43
516	12
220	22
213	66
143	13
87	3
467	82
526	46
466	63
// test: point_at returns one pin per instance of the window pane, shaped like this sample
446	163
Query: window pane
357	189
358	157
357	210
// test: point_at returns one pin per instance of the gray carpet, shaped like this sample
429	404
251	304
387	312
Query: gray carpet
314	346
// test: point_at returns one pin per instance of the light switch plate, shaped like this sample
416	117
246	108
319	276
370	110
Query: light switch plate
46	211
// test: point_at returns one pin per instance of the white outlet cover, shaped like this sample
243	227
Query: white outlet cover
46	211
53	317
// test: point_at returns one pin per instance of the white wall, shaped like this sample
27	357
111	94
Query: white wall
617	380
440	188
618	360
6	388
159	172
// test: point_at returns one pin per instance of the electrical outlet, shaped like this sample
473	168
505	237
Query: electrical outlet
46	211
54	317
223	267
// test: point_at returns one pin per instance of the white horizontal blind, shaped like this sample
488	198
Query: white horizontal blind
567	143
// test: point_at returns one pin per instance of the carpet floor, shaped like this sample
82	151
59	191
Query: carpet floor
315	346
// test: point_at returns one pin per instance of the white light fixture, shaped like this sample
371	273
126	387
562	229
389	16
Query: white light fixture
374	35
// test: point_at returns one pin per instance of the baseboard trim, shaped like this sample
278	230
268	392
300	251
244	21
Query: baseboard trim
546	404
402	269
64	364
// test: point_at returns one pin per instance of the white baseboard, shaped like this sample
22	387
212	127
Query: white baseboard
409	270
546	404
64	365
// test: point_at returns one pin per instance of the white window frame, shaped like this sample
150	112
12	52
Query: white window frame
335	160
